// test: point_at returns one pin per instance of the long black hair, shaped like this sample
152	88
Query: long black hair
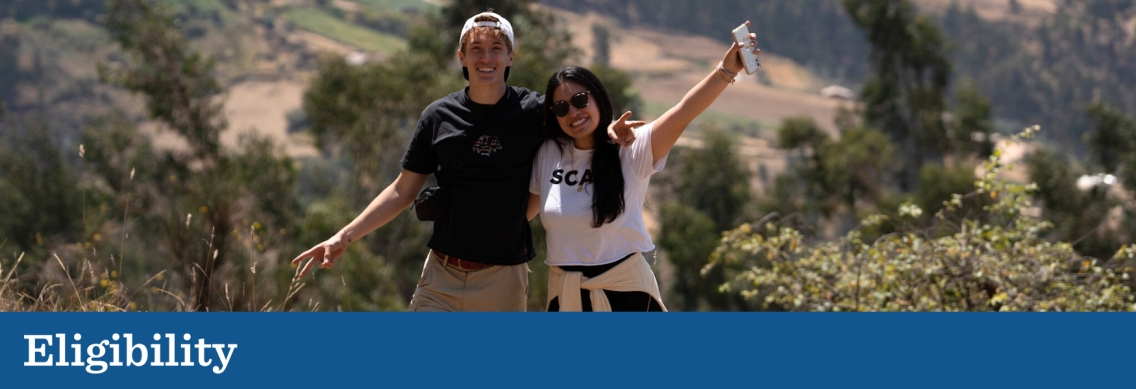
607	174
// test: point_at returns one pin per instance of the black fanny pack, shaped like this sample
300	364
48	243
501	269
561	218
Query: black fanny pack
434	202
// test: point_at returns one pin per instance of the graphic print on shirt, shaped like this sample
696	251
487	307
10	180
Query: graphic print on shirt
486	145
571	178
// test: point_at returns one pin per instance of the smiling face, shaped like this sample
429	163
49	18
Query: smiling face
580	124
486	56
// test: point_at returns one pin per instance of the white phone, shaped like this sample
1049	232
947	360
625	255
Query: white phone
741	34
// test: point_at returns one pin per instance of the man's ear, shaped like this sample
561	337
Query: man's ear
461	60
511	56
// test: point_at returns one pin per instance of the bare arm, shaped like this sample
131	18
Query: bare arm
534	206
388	204
669	127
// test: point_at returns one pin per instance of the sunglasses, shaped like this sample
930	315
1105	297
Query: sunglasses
579	100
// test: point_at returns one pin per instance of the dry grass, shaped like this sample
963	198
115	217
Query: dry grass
68	281
80	296
92	288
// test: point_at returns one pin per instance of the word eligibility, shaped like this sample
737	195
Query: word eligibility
53	350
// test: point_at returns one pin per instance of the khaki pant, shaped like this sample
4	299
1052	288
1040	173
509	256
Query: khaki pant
447	288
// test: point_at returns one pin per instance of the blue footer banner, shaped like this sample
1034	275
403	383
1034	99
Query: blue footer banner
497	350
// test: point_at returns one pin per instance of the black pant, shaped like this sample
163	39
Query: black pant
620	301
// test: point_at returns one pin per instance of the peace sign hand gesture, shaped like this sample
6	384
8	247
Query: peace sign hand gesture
622	131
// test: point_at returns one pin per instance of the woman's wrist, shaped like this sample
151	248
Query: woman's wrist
726	75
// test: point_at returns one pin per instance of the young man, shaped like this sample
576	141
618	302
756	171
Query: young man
480	142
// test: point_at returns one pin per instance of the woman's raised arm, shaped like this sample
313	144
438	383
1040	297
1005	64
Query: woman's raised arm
671	124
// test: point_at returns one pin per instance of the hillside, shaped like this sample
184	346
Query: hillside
1039	62
808	45
266	53
264	207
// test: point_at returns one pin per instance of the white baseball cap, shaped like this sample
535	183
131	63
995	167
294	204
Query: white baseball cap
501	24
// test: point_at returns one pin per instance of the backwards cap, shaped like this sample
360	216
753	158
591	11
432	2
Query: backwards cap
500	24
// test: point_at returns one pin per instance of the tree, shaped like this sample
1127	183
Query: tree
1077	215
831	175
232	231
175	81
971	129
688	237
857	166
1111	140
712	178
709	191
601	44
805	189
10	72
1002	264
367	111
1080	212
904	97
1081	198
27	9
37	193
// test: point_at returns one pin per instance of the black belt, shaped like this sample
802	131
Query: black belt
594	271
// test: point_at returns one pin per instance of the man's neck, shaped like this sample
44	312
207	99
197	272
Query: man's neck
487	95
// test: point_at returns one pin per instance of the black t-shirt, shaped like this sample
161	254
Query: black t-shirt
495	145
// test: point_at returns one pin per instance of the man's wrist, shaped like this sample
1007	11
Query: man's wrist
346	236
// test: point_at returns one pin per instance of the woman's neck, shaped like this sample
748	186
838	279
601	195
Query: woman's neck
584	144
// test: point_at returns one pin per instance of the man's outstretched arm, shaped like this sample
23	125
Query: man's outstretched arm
388	204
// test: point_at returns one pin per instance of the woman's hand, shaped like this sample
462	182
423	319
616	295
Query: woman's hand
669	127
732	62
622	131
324	254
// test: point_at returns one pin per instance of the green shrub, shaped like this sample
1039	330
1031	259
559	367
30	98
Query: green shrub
995	261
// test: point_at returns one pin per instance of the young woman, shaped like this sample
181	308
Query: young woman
590	192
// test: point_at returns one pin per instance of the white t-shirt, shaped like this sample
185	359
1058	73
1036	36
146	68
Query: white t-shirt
563	181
